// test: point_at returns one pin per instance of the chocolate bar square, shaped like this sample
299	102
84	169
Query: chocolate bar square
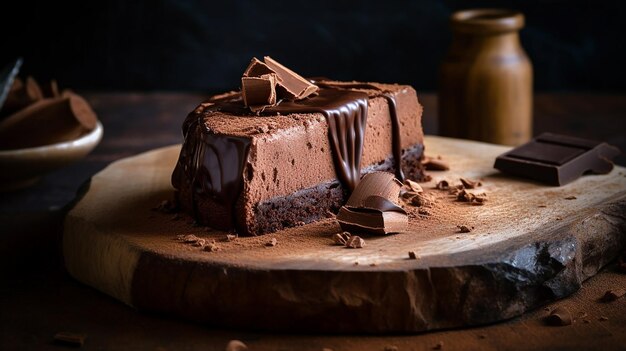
557	159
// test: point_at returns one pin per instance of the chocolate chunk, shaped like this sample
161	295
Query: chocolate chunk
259	92
613	295
464	229
256	68
556	159
560	316
442	185
294	87
412	255
372	206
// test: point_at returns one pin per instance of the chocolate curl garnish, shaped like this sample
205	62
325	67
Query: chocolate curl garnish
266	83
373	208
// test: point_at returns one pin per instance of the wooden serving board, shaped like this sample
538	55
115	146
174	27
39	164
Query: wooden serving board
530	244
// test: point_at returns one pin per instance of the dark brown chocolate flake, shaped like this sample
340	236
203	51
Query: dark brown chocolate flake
464	228
442	185
414	186
412	255
560	316
570	198
355	242
70	339
470	184
614	294
432	164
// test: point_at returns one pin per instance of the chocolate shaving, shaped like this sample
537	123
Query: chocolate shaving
373	208
560	316
464	228
442	185
414	186
341	238
470	184
612	295
432	164
355	242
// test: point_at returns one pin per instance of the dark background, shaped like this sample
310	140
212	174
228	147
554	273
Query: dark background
201	45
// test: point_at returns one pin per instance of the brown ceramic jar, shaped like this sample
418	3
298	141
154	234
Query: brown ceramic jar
485	83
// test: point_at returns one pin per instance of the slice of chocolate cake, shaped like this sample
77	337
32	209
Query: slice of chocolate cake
295	161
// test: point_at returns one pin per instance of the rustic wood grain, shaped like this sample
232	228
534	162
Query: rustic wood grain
519	256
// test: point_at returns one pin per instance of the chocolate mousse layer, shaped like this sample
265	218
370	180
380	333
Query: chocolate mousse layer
295	162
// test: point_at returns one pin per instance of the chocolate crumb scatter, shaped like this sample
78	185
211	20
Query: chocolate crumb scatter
612	295
70	339
355	242
435	164
423	212
212	247
470	184
542	206
414	186
560	316
464	229
341	238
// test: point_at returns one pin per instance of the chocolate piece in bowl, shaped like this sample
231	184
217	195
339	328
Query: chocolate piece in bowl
259	172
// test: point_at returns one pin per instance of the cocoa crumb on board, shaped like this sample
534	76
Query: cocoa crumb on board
442	185
341	238
438	346
70	339
613	294
464	228
414	186
435	164
560	316
236	345
355	242
423	212
166	206
412	255
212	247
272	242
473	199
570	198
470	184
421	199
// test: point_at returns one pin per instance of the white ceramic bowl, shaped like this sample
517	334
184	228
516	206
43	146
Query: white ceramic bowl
23	167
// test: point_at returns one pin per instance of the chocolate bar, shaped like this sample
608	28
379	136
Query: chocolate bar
557	159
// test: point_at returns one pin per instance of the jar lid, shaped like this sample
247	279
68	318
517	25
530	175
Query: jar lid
487	20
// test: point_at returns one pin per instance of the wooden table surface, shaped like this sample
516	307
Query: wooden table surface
39	299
